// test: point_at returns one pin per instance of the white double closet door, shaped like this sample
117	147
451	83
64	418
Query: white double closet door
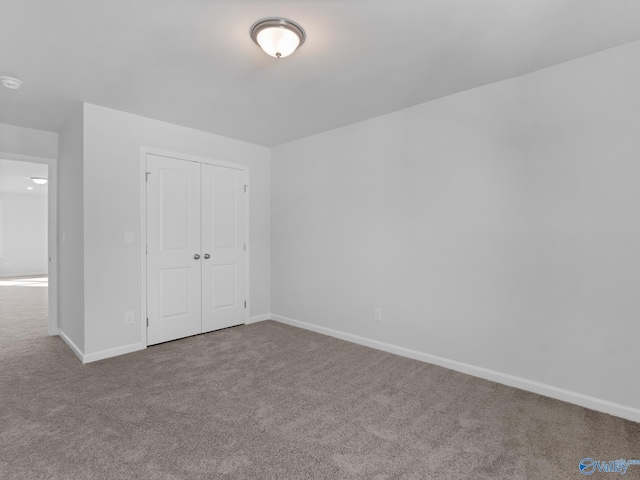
196	248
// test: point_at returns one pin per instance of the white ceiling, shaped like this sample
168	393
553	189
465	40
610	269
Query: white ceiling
191	62
15	177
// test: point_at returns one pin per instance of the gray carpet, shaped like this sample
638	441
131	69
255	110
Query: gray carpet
269	401
23	308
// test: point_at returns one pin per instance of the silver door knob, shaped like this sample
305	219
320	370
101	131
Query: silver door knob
196	257
207	256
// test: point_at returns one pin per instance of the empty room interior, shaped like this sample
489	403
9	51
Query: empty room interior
321	239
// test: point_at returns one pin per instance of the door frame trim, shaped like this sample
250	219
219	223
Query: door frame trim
144	151
52	234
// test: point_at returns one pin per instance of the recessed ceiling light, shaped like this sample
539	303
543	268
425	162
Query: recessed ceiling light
39	180
278	37
11	82
29	188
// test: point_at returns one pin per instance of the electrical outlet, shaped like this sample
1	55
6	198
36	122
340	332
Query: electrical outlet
128	237
377	314
128	317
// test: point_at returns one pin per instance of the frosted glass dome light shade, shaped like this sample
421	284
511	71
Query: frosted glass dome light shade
278	42
278	37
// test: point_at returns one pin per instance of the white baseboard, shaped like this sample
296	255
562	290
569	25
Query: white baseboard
102	354
586	401
259	318
112	352
74	348
20	275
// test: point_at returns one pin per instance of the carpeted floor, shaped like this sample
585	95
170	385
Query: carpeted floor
23	308
269	401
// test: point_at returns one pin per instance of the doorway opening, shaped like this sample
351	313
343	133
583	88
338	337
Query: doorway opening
28	304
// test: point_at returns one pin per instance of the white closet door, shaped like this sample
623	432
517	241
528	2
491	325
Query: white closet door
173	239
223	247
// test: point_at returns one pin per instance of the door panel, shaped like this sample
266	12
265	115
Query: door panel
174	288
173	238
223	238
223	211
175	202
224	286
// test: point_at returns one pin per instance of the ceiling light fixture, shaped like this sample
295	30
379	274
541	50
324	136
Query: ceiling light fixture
278	37
11	82
39	180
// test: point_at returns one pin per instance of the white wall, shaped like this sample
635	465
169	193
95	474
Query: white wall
24	232
498	227
26	141
71	233
112	205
